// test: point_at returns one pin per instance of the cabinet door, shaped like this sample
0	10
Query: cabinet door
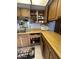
41	41
24	40
59	9
25	12
45	48
18	12
53	55
46	52
53	10
18	43
46	14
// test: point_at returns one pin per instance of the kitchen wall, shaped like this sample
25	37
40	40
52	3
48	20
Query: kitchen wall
32	25
51	25
35	25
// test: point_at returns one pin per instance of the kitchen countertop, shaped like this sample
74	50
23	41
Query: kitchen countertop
52	38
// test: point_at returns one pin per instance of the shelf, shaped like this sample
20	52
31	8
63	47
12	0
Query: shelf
37	14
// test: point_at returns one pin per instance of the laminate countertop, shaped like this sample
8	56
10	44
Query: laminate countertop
52	38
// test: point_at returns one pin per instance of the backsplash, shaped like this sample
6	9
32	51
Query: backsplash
51	26
35	25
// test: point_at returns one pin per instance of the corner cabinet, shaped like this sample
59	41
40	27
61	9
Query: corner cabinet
54	10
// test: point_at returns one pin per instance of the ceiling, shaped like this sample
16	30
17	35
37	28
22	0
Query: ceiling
33	7
34	2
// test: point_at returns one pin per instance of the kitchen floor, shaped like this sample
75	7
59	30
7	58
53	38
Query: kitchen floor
38	53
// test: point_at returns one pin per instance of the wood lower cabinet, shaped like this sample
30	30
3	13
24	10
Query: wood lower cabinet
23	40
52	55
55	56
18	42
47	50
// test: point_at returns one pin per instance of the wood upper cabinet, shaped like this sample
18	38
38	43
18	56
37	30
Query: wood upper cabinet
59	9
46	11
54	10
18	12
25	12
